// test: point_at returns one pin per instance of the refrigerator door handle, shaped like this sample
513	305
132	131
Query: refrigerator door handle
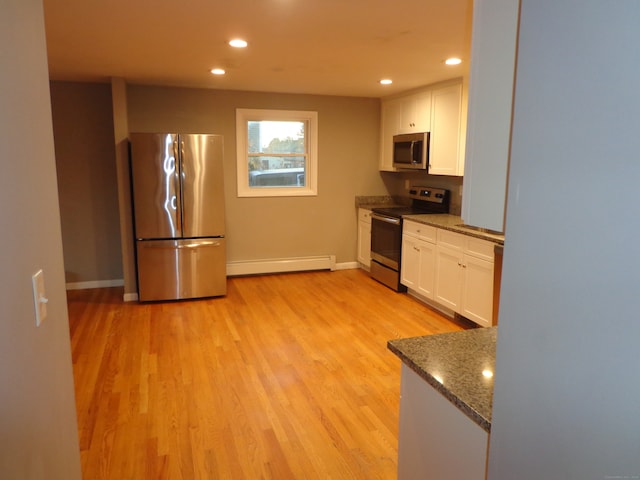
181	180
200	244
177	178
186	245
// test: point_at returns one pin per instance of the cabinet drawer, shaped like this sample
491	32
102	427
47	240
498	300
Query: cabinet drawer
451	240
479	248
420	230
364	214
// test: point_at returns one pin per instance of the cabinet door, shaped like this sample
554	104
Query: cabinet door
416	113
389	126
410	263
477	292
427	272
449	275
364	242
446	131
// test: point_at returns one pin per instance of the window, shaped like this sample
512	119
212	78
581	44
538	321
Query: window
276	153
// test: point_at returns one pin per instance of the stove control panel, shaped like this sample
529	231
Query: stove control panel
429	194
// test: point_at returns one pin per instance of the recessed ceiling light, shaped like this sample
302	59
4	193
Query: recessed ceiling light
218	71
453	61
238	43
386	81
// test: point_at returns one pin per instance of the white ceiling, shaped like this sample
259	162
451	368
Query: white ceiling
327	47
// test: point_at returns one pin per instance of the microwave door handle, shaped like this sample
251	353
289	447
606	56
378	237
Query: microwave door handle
415	152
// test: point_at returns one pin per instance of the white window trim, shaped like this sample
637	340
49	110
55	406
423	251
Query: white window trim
244	115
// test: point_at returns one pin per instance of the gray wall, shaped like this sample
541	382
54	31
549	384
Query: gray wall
267	228
38	430
567	390
86	169
257	228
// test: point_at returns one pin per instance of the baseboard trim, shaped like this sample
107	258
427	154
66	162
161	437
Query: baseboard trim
251	267
347	265
118	282
280	265
431	303
130	297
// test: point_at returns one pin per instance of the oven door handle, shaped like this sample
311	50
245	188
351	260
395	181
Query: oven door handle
395	221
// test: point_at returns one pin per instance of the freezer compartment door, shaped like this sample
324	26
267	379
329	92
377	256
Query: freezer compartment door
180	269
202	185
155	174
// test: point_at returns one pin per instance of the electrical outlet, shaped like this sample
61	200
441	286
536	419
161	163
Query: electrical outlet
40	299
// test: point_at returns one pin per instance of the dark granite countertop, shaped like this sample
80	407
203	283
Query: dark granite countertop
453	223
374	201
447	222
457	365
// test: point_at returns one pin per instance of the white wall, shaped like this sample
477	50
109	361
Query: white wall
38	431
567	391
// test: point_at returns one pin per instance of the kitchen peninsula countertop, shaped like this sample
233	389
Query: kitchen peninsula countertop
456	365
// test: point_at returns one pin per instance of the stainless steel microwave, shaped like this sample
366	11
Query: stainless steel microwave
411	151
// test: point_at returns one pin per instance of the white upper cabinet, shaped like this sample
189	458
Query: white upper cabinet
446	154
439	109
389	126
405	114
415	113
493	54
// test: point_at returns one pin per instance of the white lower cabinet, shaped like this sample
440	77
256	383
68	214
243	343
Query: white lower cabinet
364	237
449	277
453	270
436	440
477	291
418	258
464	276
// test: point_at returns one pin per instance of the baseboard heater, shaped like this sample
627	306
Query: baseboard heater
118	282
281	265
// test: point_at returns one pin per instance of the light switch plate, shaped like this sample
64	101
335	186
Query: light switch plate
39	297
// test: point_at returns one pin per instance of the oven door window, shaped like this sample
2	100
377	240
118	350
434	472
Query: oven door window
386	240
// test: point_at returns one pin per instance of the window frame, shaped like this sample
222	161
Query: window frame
310	118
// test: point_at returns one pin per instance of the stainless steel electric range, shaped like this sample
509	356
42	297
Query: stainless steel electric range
386	232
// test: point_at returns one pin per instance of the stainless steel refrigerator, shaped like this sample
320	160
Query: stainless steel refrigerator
178	207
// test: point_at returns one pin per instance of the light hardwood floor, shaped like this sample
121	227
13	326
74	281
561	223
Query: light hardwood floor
287	377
